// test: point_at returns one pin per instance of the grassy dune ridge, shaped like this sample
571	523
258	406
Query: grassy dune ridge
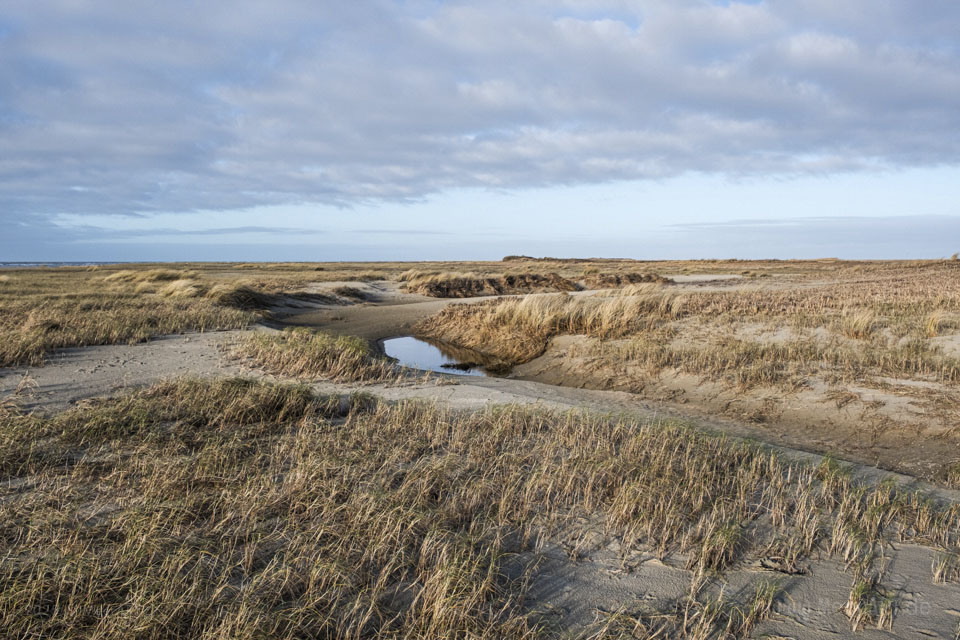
468	285
51	308
301	352
517	328
465	285
31	328
232	508
43	310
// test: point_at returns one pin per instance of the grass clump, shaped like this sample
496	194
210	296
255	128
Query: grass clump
300	352
946	567
859	323
869	603
182	288
594	279
148	275
934	323
953	475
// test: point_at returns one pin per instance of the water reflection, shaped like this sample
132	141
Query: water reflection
437	356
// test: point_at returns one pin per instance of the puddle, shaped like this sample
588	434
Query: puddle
436	356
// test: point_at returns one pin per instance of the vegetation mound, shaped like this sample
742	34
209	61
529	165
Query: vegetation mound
460	285
300	352
613	280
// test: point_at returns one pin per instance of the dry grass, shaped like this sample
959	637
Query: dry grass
946	567
246	510
184	288
746	364
859	323
869	603
953	475
783	354
934	323
46	309
34	326
593	278
149	275
102	304
518	330
352	293
469	285
304	353
42	310
693	620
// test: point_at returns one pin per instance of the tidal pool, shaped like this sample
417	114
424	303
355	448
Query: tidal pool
429	356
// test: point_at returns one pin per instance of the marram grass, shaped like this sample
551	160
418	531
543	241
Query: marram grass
304	353
244	509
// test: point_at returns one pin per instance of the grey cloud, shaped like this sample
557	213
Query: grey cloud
220	231
177	106
402	232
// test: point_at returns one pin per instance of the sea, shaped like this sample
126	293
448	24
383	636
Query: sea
26	265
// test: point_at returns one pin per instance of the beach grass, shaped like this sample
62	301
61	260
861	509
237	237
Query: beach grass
244	509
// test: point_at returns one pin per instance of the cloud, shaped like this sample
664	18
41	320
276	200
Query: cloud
97	234
178	106
852	237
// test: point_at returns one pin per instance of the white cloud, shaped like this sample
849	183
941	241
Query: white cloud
180	106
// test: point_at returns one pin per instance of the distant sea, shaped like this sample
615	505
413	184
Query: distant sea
22	265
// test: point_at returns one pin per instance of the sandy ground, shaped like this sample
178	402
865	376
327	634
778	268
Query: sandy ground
73	374
570	593
579	593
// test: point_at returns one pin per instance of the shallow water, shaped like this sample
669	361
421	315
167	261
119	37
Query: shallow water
419	354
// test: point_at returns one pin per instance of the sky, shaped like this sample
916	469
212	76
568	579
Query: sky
406	130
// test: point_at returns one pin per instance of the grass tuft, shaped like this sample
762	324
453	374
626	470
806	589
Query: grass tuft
859	323
149	275
869	603
182	288
946	567
934	323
